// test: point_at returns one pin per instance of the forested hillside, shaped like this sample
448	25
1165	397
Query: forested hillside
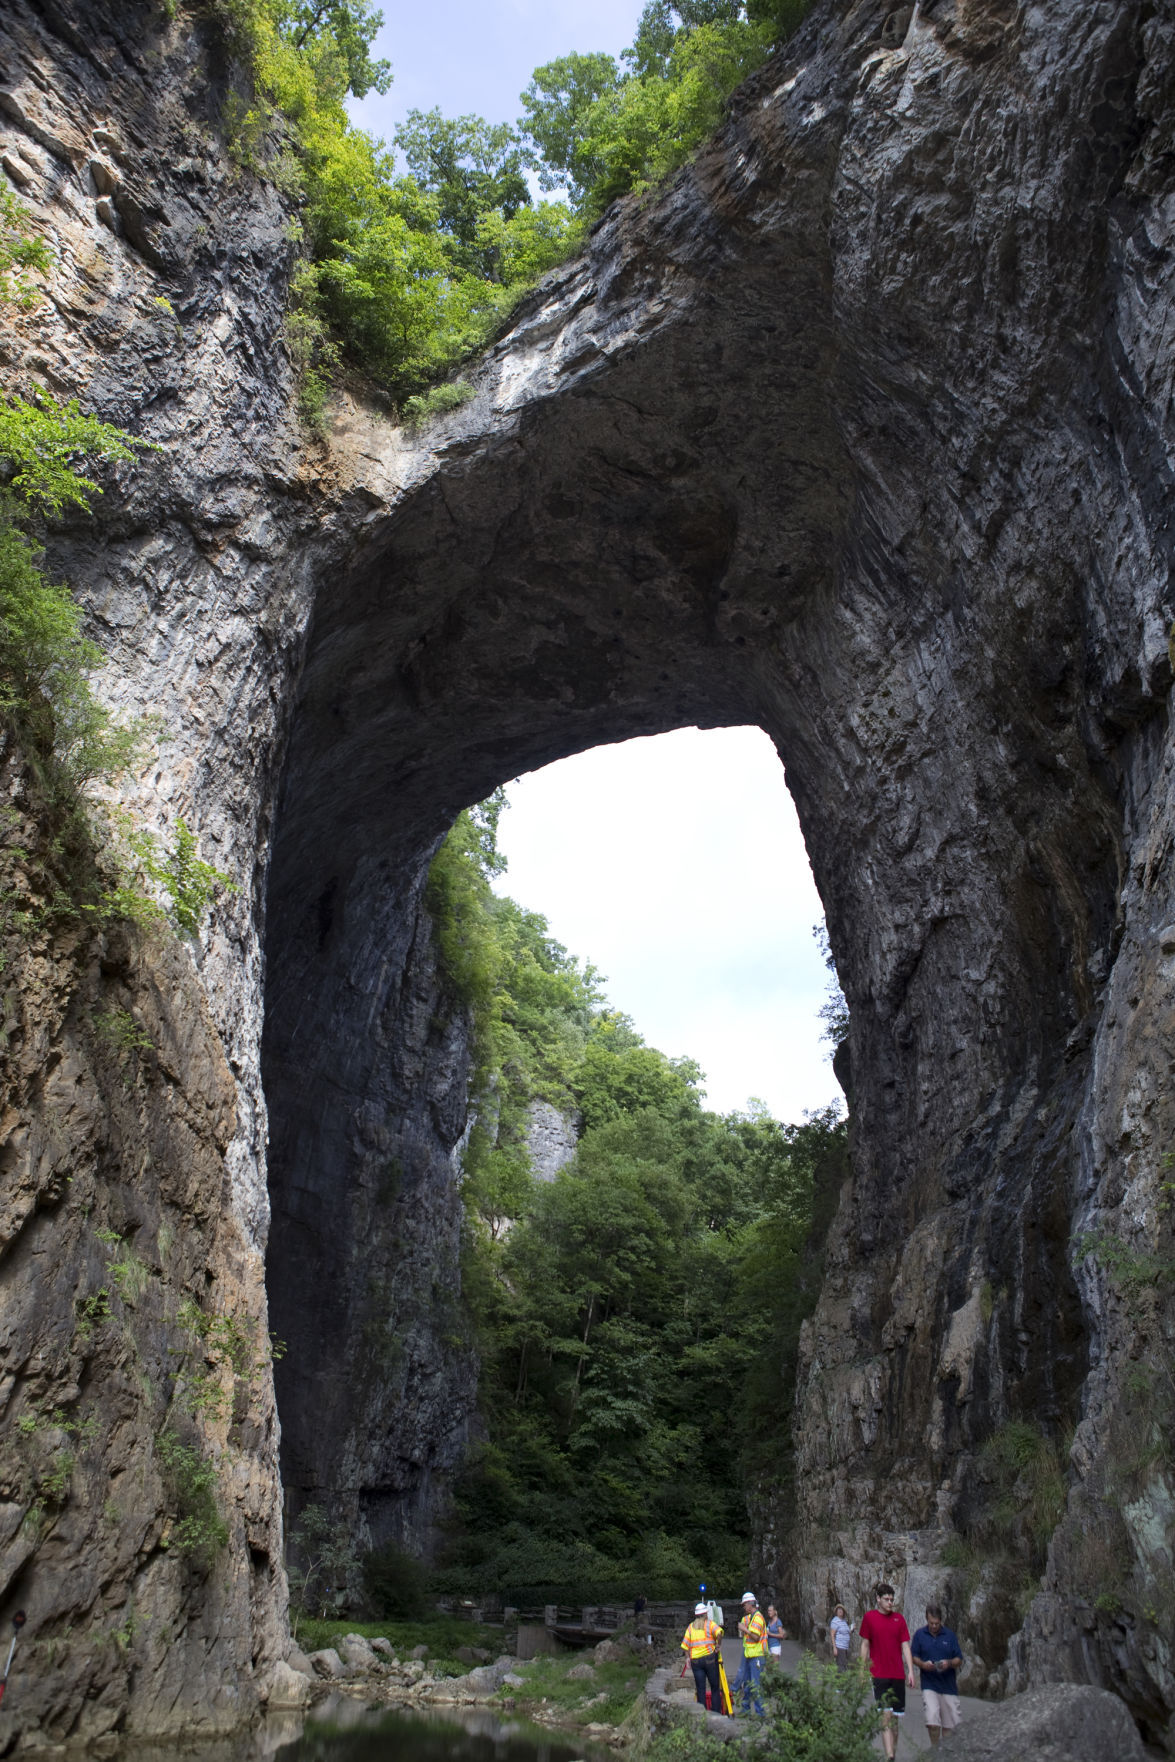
637	1316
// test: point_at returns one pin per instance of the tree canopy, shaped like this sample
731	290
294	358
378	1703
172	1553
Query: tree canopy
409	268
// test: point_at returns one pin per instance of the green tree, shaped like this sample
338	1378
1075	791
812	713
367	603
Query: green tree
342	29
474	169
638	1316
559	104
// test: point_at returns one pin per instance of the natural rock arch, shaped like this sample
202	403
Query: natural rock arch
827	439
888	367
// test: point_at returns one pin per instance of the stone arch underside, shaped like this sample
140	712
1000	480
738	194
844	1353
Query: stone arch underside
860	433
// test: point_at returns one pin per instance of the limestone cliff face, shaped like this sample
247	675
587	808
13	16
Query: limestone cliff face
141	1523
861	431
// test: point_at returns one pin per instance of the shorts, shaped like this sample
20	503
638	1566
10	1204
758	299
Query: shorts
940	1709
890	1691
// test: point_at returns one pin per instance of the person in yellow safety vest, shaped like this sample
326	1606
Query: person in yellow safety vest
700	1645
753	1633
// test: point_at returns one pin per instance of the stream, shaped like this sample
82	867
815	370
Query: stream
343	1729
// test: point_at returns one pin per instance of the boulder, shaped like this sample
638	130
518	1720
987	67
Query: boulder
327	1663
385	1649
582	1673
609	1652
487	1678
465	1655
356	1652
287	1687
1065	1722
297	1659
418	1652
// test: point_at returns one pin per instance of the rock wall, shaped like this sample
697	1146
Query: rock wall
378	1387
859	431
142	1509
551	1138
138	1520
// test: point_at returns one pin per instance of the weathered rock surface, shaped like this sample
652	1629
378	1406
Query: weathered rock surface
551	1138
139	1525
287	1687
1062	1724
860	431
328	1663
356	1652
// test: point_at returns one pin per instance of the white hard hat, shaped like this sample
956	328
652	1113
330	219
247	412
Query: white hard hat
699	1609
748	1597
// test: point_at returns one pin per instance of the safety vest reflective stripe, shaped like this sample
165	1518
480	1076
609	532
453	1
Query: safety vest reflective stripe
701	1638
755	1637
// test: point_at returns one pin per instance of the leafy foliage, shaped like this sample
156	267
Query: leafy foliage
406	272
41	443
341	30
322	1561
198	1529
1026	1484
817	1715
187	880
409	271
47	700
639	1314
834	1011
20	251
600	131
394	1583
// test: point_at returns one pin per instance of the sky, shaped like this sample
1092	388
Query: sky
675	864
464	57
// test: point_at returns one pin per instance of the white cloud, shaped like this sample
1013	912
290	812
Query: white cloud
677	866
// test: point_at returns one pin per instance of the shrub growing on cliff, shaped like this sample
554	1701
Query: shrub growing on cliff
198	1530
45	659
20	252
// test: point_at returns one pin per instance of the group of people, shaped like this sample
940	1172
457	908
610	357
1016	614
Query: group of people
891	1656
762	1636
887	1651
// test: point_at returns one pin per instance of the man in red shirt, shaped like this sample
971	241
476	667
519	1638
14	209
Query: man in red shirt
885	1647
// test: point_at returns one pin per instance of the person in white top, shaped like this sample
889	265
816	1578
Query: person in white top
839	1633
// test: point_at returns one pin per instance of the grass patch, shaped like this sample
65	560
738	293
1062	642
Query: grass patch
606	1698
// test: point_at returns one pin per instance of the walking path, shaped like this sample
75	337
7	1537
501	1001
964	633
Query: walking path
913	1735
